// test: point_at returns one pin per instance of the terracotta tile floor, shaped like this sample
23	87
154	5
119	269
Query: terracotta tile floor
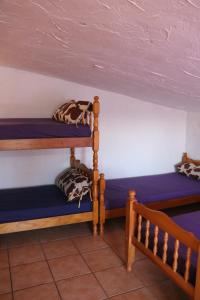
67	263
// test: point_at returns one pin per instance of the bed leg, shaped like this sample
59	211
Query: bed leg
197	283
102	206
130	228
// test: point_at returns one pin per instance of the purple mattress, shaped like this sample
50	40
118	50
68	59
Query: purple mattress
150	189
40	128
189	222
30	203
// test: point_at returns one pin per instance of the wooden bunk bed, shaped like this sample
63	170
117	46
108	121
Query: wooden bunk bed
173	244
10	219
155	191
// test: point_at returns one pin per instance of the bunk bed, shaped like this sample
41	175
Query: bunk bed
45	206
155	191
171	243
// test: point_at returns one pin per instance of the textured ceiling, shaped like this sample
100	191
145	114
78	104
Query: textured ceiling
147	49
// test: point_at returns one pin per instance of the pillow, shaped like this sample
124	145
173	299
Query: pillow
186	168
74	184
195	173
190	170
73	112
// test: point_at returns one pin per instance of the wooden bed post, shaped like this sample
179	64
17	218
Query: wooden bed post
102	204
197	283
130	229
185	157
95	147
72	157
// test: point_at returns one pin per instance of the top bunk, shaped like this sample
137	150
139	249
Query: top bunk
44	133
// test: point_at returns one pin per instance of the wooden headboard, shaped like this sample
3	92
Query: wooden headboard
187	159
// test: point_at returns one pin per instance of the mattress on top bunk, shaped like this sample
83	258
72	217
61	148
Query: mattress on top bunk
20	204
189	222
30	128
149	189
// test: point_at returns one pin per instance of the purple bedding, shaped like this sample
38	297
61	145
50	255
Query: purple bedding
30	128
191	223
19	204
149	189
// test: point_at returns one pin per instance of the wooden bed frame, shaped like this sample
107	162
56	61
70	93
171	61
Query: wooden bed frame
135	214
46	143
118	212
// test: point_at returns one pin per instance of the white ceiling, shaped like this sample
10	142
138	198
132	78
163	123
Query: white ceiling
147	49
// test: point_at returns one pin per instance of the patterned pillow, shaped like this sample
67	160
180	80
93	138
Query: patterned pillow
190	170
74	184
195	172
73	112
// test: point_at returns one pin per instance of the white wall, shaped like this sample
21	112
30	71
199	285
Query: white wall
193	135
136	138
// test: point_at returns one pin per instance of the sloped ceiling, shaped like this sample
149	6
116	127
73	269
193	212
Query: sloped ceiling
147	49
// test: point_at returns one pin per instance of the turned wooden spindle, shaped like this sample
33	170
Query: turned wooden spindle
90	120
175	262
102	207
165	247
155	241
95	148
139	228
130	229
147	234
187	264
72	157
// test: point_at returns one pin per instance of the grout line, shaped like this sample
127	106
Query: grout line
45	257
93	273
11	282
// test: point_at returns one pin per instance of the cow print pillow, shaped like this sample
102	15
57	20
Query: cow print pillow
74	112
190	170
74	184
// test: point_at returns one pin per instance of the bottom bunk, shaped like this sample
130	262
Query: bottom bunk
40	207
172	243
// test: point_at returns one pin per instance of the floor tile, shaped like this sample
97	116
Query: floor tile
102	259
89	243
5	283
140	294
79	229
117	280
59	248
41	292
68	266
3	259
81	288
115	237
52	234
25	255
6	297
25	276
167	290
22	238
119	249
150	273
3	242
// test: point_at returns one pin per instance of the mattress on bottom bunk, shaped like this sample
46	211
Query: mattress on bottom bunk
189	222
31	128
149	189
20	204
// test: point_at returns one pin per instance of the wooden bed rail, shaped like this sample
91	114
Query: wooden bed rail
139	220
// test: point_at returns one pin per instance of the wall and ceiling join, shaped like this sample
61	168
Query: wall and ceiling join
145	49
